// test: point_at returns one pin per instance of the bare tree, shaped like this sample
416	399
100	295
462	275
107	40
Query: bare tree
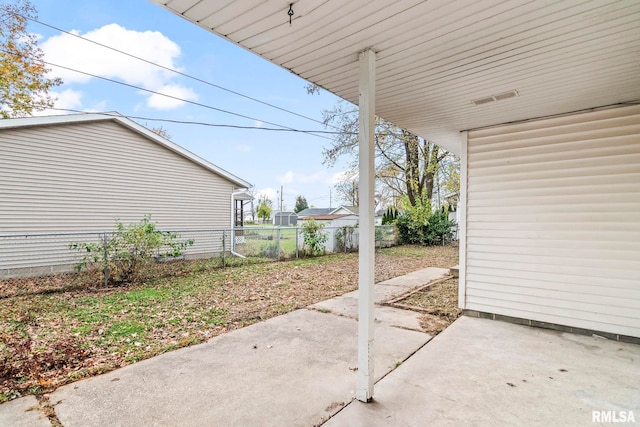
162	131
406	164
347	190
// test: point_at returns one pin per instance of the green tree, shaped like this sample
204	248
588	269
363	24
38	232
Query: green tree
24	85
301	204
390	215
264	208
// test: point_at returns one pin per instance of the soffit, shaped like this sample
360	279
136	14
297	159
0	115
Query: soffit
434	57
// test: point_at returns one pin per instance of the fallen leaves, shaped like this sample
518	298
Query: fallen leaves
439	302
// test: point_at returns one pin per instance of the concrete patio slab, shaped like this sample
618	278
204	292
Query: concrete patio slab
347	305
483	372
382	292
296	369
417	278
389	289
23	412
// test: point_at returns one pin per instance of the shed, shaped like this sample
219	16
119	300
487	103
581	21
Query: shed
539	100
285	219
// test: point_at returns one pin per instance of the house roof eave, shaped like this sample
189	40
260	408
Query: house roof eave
124	121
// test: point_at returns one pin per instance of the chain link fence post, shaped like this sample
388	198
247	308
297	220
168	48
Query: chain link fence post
224	248
297	250
105	259
278	244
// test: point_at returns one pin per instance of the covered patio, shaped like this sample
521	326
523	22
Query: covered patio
541	102
480	372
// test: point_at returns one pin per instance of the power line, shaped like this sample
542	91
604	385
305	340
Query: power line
199	104
186	122
174	71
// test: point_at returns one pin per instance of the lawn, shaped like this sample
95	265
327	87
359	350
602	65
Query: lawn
54	338
263	242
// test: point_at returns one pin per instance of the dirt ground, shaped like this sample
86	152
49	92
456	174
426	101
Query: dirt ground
438	302
59	336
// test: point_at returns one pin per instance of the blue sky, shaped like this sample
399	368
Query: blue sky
267	159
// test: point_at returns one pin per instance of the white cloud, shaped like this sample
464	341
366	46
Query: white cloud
160	102
287	178
302	178
258	123
342	176
97	107
269	192
244	148
153	46
67	99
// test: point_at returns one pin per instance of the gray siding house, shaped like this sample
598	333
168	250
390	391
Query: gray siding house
62	174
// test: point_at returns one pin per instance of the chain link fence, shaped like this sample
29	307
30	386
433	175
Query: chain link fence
41	262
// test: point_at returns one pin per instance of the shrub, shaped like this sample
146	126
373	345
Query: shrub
269	250
313	237
438	230
412	221
418	225
123	255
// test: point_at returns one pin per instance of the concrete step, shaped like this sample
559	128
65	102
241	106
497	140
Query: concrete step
455	271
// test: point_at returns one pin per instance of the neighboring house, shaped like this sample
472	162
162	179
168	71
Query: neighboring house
342	210
285	219
333	220
351	210
314	211
378	218
81	173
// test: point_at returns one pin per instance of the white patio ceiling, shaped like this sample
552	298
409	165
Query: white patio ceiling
434	57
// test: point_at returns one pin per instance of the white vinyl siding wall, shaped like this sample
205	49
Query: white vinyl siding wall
553	221
84	176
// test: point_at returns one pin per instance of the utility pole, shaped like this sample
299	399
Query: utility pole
281	198
330	198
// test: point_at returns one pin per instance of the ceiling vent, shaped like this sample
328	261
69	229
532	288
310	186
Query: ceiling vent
495	98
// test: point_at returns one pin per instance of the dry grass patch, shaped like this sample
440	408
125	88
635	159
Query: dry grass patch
438	302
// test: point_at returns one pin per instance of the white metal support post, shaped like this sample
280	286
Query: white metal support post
462	226
366	251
